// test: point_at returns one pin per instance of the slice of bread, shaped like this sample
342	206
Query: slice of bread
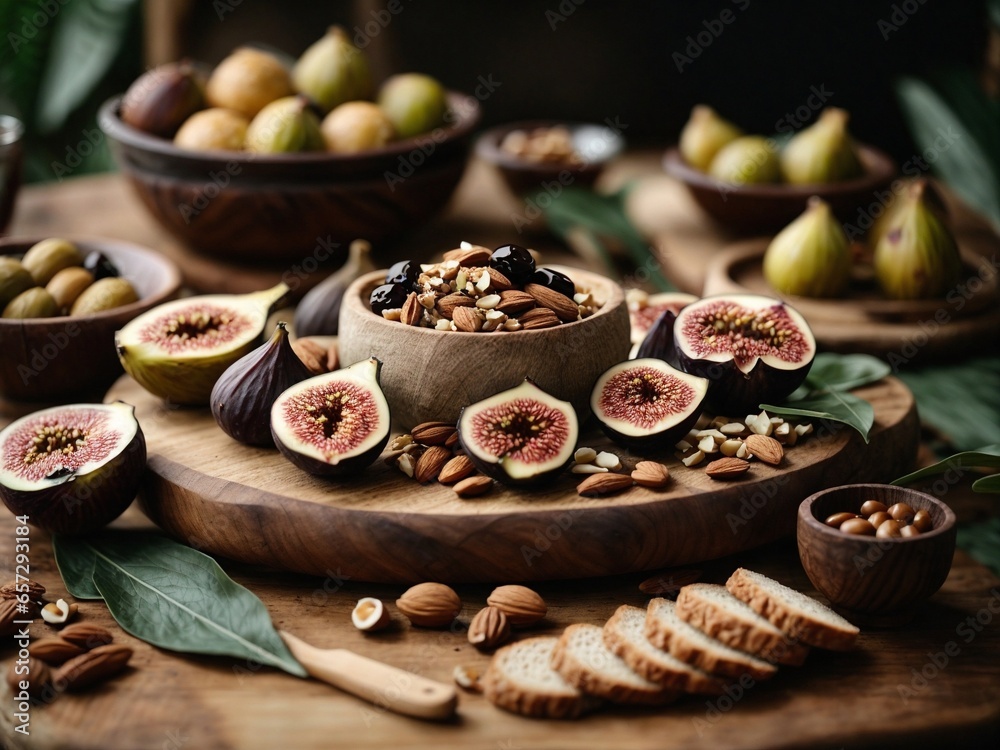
668	631
585	662
625	635
520	679
716	612
800	616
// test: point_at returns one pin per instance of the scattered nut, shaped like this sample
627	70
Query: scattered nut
58	612
433	433
313	355
457	469
430	605
694	459
54	651
430	463
467	678
474	486
33	589
93	667
370	615
523	606
600	485
608	460
727	468
489	628
86	635
767	449
585	455
407	464
35	678
587	469
651	474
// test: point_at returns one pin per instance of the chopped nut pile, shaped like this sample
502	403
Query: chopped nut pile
553	144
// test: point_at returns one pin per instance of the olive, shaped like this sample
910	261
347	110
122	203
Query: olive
100	266
922	521
877	519
387	297
514	262
557	282
405	273
873	506
857	526
901	512
838	518
889	530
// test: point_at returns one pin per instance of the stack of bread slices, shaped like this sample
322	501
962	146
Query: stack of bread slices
711	637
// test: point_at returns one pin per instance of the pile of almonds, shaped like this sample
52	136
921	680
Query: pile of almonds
79	656
462	293
317	358
430	451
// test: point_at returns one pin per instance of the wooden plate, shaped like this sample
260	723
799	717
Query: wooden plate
252	505
965	321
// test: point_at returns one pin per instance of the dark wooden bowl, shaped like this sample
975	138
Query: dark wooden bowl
597	143
874	581
59	360
286	207
770	207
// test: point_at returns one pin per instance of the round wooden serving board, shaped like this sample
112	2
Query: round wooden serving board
251	505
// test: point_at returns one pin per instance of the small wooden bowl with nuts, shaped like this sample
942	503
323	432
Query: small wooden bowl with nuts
429	375
876	576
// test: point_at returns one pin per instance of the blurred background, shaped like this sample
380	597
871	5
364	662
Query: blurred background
643	63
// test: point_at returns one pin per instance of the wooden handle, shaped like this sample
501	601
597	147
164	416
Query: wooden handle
389	687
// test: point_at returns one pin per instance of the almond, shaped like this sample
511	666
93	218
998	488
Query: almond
767	449
93	667
332	358
669	582
651	474
564	308
54	650
498	282
34	590
470	258
514	301
430	463
432	433
9	613
522	605
36	673
312	355
598	485
447	305
430	605
539	317
489	628
467	319
474	486
85	635
727	468
456	470
412	310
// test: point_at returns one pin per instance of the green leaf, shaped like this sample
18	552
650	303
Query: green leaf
834	406
990	484
961	160
178	598
87	38
75	560
845	371
964	461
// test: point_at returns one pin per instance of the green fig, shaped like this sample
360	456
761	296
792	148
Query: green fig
163	98
810	257
285	126
356	126
34	303
932	199
14	279
333	71
247	81
749	159
413	102
48	257
917	258
214	129
703	135
823	152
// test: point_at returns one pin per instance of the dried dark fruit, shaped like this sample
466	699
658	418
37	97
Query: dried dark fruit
752	348
646	403
388	297
514	262
100	266
405	273
334	424
242	398
74	468
318	314
558	282
163	98
178	350
520	436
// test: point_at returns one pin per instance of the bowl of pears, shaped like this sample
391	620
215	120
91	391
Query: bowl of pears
758	184
265	158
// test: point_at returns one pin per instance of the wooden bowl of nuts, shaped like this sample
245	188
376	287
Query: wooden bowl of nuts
437	359
57	333
876	551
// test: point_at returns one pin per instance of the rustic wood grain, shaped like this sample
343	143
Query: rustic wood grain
250	504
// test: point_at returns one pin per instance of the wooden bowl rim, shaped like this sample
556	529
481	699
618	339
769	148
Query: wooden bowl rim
815	525
466	107
879	167
355	297
488	147
169	278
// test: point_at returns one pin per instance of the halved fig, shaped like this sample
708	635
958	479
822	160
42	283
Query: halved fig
646	403
335	424
645	311
72	469
521	436
177	351
752	348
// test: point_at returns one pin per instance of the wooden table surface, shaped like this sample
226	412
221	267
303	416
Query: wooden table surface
889	693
